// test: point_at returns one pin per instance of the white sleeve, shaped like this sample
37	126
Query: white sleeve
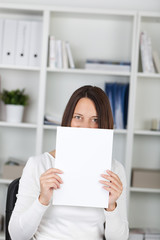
116	221
28	211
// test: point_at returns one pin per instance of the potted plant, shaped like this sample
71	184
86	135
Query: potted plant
15	100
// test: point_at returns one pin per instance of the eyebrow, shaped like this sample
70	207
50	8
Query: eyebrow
78	114
82	115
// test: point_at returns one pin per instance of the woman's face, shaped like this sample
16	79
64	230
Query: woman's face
85	114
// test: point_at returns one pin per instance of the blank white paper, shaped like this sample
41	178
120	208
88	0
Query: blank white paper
83	154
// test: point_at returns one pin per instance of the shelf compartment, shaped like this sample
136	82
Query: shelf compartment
146	152
95	29
144	210
147	99
17	143
29	80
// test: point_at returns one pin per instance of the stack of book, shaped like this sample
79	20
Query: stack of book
118	97
146	53
150	59
60	55
98	64
144	234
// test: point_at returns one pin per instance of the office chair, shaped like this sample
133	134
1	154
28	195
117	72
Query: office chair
10	203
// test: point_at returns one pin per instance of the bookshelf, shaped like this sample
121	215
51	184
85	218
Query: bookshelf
145	147
92	33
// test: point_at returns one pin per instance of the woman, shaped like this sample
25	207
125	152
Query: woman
34	216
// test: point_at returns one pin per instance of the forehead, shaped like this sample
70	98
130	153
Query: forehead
84	106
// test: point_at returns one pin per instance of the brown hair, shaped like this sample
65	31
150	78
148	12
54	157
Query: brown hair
101	101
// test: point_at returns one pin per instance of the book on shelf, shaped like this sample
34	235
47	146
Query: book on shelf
64	55
52	52
60	55
70	56
146	53
99	64
59	62
156	60
118	97
52	119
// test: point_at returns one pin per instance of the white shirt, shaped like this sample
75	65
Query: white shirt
32	220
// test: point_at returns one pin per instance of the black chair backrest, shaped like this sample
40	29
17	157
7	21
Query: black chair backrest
10	203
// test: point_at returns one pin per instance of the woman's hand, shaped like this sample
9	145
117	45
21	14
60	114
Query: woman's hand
49	180
113	185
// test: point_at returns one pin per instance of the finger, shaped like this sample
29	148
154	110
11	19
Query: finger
111	185
52	175
52	180
49	185
112	179
44	183
114	175
110	190
52	170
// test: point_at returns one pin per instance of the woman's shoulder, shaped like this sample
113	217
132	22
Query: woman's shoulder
40	162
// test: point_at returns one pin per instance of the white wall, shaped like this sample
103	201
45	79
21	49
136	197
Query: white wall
147	5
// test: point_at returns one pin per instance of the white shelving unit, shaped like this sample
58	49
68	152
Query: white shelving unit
144	208
92	33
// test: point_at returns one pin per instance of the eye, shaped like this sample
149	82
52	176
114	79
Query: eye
95	120
78	117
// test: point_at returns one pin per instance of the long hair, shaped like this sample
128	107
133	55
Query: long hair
100	100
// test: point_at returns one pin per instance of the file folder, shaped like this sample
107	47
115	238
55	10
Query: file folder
35	46
9	42
23	43
1	38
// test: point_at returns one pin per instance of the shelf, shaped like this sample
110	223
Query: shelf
144	190
147	132
5	181
14	67
18	125
86	71
148	75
